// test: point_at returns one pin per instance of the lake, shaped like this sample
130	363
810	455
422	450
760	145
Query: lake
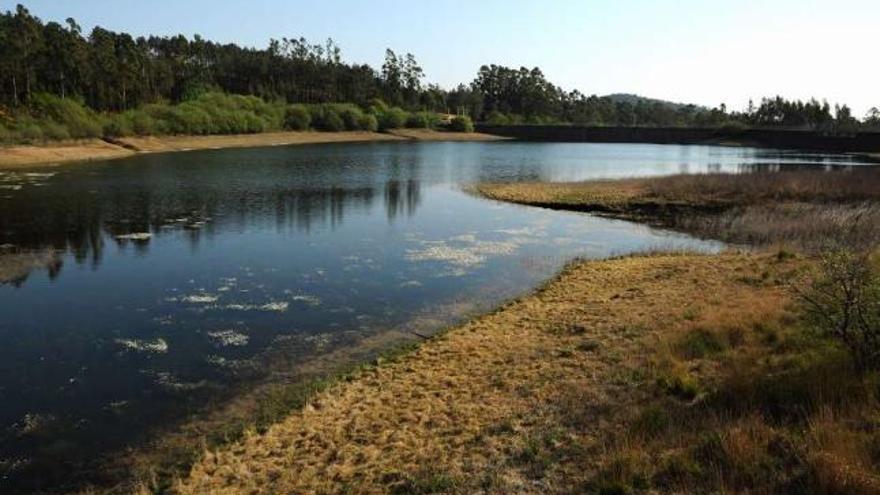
149	286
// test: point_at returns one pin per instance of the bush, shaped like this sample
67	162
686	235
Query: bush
369	123
297	118
325	118
462	123
422	120
377	106
351	117
843	303
143	125
118	125
498	118
54	131
78	120
31	132
393	118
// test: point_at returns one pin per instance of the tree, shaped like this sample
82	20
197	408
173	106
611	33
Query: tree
843	302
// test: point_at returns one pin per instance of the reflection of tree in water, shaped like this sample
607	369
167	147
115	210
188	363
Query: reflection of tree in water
70	219
402	197
16	265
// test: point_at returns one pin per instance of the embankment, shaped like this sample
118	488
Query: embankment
856	142
95	149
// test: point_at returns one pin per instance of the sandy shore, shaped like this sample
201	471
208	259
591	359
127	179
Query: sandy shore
95	149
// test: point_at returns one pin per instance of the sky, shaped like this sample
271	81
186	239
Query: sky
706	52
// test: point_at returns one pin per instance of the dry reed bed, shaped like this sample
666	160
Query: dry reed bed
556	393
801	209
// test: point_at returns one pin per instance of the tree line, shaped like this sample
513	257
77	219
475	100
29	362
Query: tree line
53	72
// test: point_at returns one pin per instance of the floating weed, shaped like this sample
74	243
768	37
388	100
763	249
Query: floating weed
307	299
157	346
225	338
200	299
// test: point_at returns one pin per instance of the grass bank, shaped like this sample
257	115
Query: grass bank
668	373
55	153
799	209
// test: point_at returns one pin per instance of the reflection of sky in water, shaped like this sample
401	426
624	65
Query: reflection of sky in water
312	247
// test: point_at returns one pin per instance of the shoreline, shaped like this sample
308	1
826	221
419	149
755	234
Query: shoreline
587	384
68	152
456	412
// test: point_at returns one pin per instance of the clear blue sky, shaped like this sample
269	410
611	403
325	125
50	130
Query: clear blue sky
701	51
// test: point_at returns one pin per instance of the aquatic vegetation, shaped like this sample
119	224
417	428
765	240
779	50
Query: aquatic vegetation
200	298
225	338
168	381
308	299
277	306
33	423
155	346
461	251
137	236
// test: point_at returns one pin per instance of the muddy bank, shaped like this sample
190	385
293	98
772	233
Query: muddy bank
96	149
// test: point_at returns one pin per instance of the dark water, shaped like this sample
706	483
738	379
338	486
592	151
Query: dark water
305	248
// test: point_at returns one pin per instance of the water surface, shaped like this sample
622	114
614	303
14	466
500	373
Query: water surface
177	273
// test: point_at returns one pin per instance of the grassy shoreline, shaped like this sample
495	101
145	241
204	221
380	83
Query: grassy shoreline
797	209
22	156
618	376
664	373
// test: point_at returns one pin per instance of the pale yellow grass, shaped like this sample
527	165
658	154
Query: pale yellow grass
462	406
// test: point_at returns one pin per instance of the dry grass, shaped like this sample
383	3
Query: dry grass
680	373
801	209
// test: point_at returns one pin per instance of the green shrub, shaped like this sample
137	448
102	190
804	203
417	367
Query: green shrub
369	123
327	119
843	303
377	106
143	124
54	131
422	120
297	118
393	118
462	123
31	132
351	116
5	134
119	125
498	118
78	120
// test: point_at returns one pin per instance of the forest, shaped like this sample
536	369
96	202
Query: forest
57	82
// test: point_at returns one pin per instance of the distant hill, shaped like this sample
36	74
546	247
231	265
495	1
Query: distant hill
633	99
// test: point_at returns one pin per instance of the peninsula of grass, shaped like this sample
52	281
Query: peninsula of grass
800	209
